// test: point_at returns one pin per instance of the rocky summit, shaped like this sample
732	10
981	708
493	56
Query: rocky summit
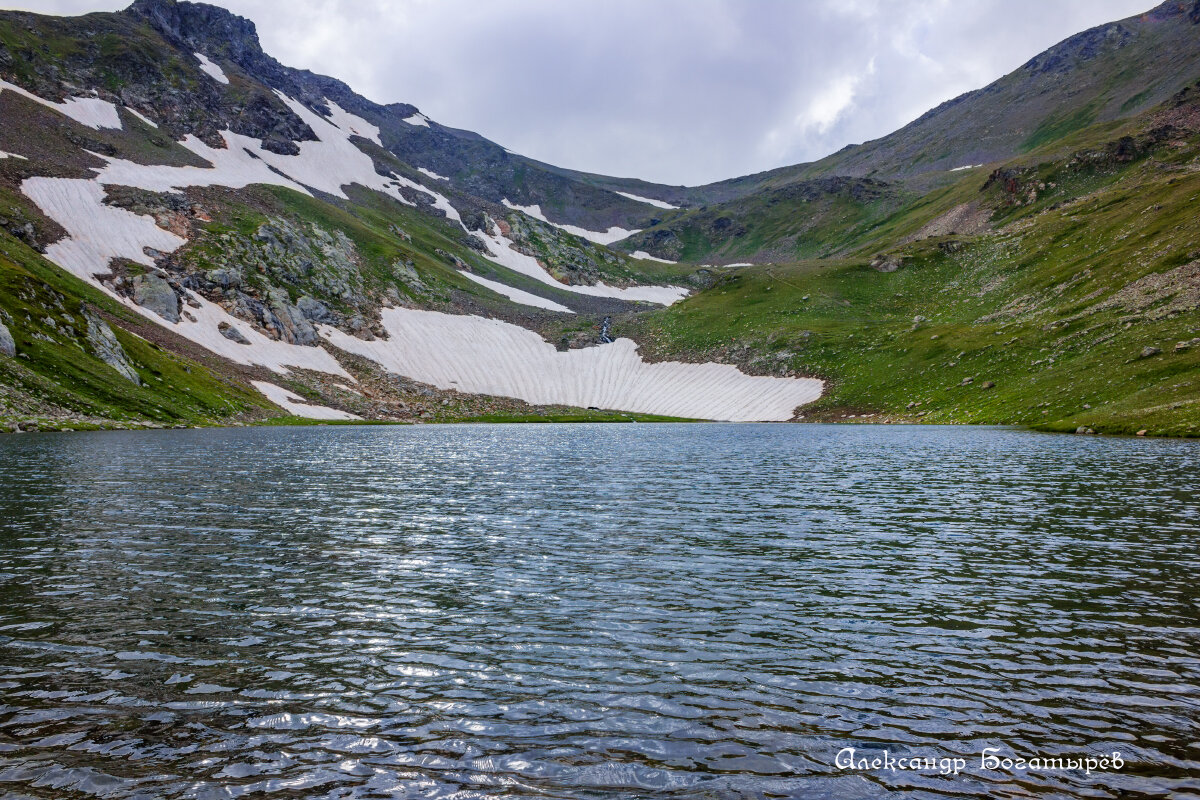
192	233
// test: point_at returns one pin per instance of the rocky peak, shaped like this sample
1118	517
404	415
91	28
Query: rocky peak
222	35
201	27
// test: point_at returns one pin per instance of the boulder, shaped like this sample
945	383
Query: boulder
106	347
887	263
231	333
152	292
8	347
225	278
314	310
1148	352
294	327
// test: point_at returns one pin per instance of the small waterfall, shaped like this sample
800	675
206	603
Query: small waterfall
605	327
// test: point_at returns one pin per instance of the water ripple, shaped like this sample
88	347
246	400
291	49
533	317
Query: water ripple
682	611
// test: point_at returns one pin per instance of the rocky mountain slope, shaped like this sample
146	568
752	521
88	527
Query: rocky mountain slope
193	233
298	239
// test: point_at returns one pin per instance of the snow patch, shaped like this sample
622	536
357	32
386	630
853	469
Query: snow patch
534	211
739	264
642	254
647	200
485	356
418	119
432	174
12	155
966	166
96	233
277	356
516	295
439	200
90	111
210	69
613	234
296	406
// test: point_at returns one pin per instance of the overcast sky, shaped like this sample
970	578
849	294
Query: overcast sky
674	91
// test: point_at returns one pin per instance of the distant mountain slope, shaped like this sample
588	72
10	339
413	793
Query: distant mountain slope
1110	72
472	163
118	55
1107	74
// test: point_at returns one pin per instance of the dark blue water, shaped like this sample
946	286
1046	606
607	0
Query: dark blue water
685	611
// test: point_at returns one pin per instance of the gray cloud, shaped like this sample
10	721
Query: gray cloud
676	91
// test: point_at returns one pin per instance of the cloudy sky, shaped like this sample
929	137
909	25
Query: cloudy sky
675	91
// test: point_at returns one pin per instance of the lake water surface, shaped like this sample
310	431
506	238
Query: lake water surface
595	611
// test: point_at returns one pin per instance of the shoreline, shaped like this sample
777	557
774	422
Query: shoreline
18	427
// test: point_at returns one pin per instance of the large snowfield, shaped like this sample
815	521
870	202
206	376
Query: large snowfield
487	356
470	354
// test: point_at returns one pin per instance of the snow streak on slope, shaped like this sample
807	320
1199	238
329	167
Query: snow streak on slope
210	69
484	356
90	111
418	119
503	253
98	233
613	234
647	200
296	406
432	174
12	155
352	123
517	295
642	254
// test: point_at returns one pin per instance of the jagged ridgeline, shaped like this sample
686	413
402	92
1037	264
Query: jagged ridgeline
194	233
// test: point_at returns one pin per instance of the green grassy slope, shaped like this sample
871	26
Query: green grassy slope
57	379
1046	321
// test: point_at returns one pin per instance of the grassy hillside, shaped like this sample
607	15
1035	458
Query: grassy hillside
57	378
1079	308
